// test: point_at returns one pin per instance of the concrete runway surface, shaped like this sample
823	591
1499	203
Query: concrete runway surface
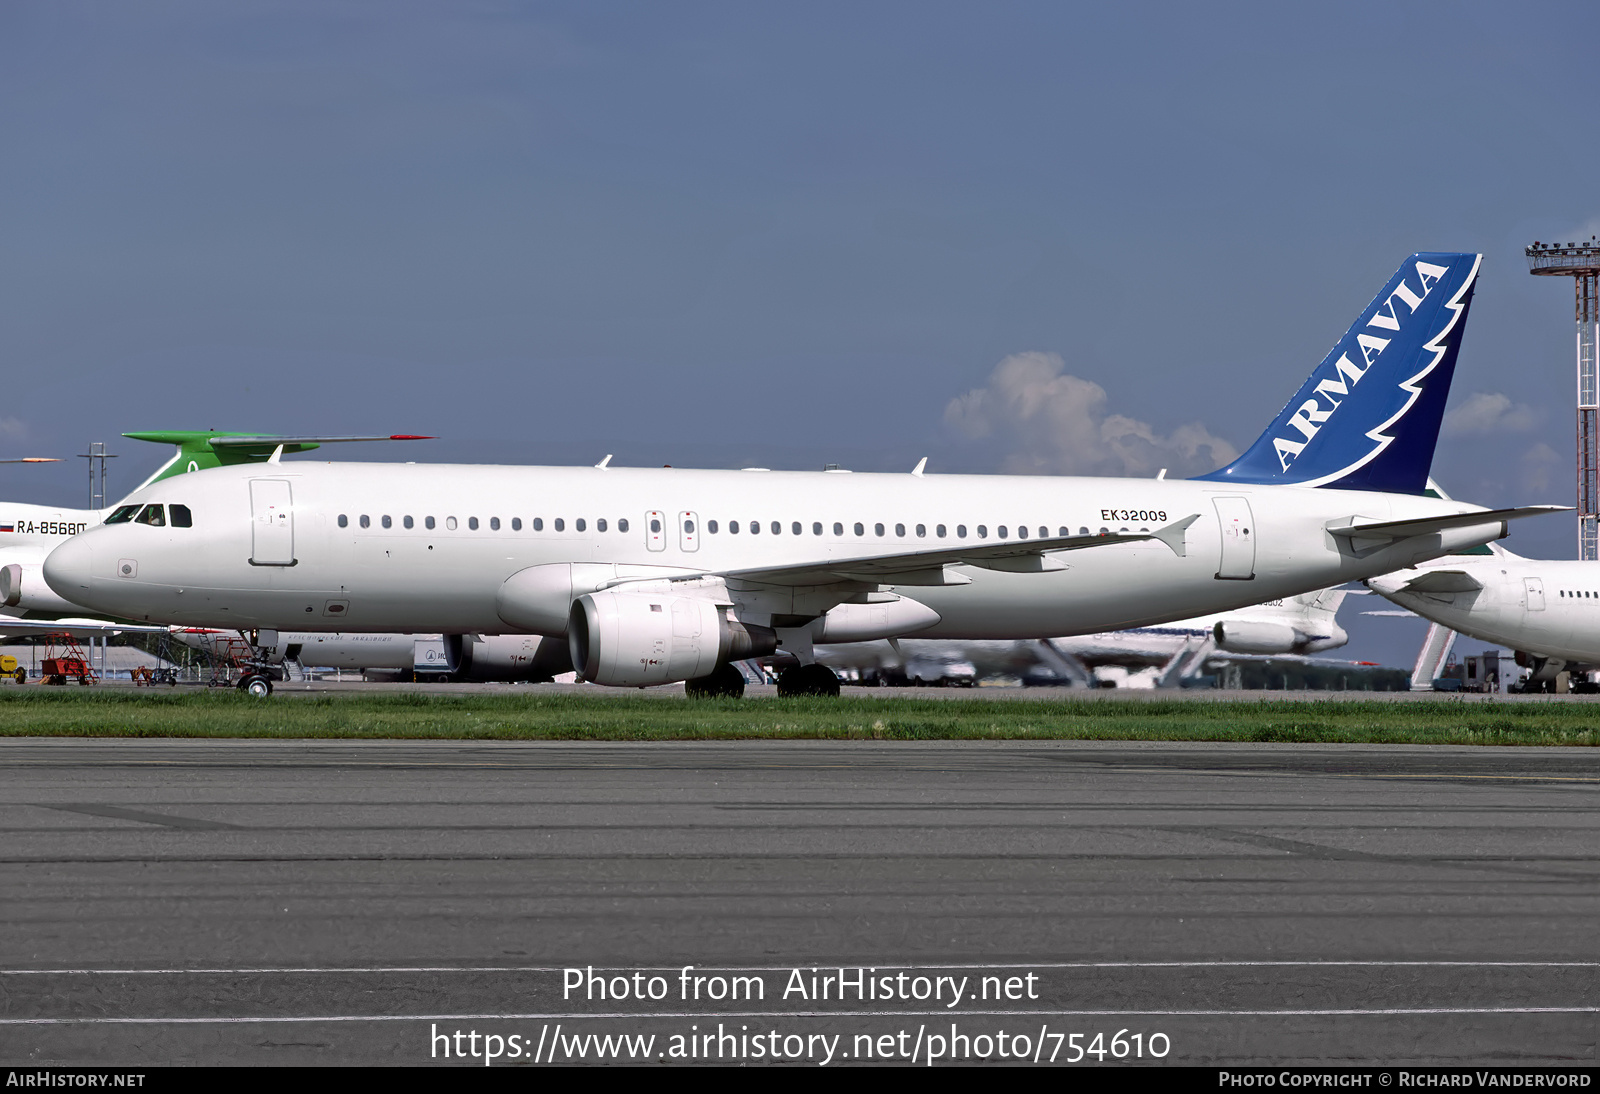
249	902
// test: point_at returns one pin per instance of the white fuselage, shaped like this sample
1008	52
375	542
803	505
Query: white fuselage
393	547
1538	606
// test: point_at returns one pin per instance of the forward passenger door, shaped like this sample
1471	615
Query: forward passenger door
272	523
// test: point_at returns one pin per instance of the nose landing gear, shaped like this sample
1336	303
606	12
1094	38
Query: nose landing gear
255	685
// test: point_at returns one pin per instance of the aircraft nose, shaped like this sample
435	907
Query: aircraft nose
69	568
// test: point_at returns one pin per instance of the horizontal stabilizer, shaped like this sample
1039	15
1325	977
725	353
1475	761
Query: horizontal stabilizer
269	442
1404	529
1442	581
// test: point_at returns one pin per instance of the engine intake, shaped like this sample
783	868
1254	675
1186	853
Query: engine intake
636	639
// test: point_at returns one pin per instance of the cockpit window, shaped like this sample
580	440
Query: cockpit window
181	517
123	514
153	515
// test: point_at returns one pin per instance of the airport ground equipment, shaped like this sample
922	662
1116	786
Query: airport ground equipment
1581	262
11	670
64	659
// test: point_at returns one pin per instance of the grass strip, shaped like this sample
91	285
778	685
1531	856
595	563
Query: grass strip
532	716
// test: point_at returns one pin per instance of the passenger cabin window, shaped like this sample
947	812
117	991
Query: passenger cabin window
622	524
922	531
388	521
449	523
344	521
580	525
777	528
900	531
472	524
366	521
711	526
794	528
877	529
816	528
939	531
561	524
494	524
755	528
538	524
516	524
860	529
600	525
181	517
123	514
961	531
733	527
983	531
153	515
427	522
408	522
838	529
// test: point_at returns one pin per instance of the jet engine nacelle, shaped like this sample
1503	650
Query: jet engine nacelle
636	639
1256	636
22	586
506	657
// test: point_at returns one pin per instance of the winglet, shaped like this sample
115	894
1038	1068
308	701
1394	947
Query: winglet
1174	535
921	466
604	463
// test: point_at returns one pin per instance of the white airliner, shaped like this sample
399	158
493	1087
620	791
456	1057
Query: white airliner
657	575
1548	611
1162	656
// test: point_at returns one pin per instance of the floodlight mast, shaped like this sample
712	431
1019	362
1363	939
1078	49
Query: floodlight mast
1581	262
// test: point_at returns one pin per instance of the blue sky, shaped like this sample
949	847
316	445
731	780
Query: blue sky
732	234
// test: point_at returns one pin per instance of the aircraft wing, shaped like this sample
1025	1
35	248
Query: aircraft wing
32	459
12	626
1403	529
928	567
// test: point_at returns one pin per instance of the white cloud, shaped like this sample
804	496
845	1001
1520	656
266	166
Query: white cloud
1050	422
13	429
1483	413
1537	464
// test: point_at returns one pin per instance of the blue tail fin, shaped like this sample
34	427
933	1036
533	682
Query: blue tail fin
1368	418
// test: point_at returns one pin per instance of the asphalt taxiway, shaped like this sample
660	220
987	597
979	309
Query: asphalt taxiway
344	901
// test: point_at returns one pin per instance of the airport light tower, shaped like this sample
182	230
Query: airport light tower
1581	262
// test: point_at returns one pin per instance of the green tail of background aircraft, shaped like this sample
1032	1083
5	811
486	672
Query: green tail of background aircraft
198	450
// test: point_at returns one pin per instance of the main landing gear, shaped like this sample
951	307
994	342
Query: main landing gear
808	680
725	682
